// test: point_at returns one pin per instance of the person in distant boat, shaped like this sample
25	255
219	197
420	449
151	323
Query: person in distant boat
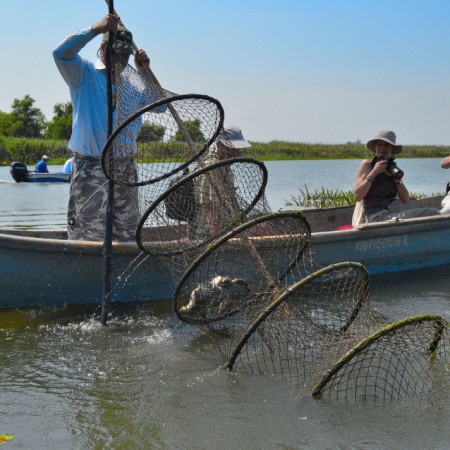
41	166
87	82
379	185
214	191
445	164
68	165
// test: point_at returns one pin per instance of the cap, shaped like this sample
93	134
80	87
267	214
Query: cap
123	41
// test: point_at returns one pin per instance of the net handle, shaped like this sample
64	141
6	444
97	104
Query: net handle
152	78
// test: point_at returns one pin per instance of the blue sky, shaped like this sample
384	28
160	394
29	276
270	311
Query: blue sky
322	71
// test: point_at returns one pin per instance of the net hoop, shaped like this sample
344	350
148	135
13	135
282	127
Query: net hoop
166	101
440	325
186	179
297	215
285	295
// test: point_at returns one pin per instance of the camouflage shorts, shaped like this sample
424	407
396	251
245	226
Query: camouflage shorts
86	215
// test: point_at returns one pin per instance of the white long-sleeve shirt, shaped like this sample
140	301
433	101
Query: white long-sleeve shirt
87	83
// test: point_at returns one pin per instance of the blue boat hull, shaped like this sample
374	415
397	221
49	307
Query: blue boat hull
42	268
55	177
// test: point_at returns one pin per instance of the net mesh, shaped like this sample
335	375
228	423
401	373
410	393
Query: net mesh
247	276
405	360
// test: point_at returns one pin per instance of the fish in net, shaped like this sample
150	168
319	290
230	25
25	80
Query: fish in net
247	276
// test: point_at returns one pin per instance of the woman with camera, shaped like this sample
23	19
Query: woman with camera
379	186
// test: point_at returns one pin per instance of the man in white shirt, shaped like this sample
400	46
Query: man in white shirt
88	91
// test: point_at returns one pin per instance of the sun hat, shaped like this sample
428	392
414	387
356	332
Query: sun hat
386	136
123	41
232	136
44	157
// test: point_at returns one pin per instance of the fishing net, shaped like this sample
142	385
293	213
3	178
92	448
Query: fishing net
157	133
199	207
247	276
404	360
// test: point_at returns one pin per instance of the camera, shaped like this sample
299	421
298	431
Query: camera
394	170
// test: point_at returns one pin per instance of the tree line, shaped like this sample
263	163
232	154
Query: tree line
27	121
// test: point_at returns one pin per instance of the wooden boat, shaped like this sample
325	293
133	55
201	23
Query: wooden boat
21	174
43	268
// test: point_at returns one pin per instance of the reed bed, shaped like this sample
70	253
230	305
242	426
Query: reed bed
30	150
277	150
324	197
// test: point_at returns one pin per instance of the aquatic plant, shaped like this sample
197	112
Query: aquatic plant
324	197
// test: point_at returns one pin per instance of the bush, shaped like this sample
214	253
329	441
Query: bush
4	155
29	150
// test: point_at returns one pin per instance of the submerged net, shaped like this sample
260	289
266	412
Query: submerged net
247	276
404	360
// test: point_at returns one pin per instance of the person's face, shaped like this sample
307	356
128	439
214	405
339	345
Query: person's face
124	57
383	149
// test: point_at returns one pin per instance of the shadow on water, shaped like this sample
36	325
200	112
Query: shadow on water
419	291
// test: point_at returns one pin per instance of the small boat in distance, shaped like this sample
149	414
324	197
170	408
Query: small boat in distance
21	174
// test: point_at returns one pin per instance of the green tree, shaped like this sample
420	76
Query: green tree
60	127
8	124
31	120
150	132
193	128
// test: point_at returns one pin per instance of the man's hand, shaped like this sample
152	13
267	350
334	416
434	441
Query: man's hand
141	60
108	23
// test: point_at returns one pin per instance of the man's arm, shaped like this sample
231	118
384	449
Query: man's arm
445	163
66	54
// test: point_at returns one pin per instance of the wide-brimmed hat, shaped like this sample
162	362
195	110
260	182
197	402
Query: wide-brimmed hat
232	136
386	136
123	41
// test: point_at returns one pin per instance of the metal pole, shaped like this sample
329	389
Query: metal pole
107	242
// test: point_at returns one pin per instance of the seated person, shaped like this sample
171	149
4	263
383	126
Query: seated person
445	164
41	166
68	165
378	186
215	191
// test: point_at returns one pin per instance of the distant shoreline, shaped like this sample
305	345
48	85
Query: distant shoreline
30	151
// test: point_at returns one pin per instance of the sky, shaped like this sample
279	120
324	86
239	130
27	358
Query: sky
317	71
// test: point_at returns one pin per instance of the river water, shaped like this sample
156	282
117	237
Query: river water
149	381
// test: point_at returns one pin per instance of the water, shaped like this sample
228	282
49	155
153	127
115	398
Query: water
149	381
44	206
